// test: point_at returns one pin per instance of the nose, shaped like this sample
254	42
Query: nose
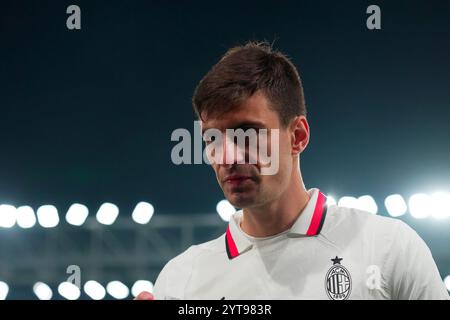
232	153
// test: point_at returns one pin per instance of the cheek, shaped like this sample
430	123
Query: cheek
285	144
283	152
282	142
285	165
277	182
215	167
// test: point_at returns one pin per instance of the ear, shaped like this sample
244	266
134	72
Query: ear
299	129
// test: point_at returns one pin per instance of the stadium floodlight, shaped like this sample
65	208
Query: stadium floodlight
7	216
141	285
367	203
94	290
107	213
348	202
25	217
225	210
420	205
447	282
331	201
440	205
42	291
4	289
143	212
69	291
77	214
117	290
395	205
47	216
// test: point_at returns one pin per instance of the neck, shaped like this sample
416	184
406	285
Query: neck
279	215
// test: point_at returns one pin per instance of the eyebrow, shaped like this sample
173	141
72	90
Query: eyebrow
242	124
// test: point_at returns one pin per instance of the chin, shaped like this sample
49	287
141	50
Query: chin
241	200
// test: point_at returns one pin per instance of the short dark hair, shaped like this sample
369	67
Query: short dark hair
241	72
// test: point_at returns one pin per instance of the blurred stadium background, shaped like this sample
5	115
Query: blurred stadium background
86	116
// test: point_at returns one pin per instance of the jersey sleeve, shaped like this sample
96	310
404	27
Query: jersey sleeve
414	274
160	287
172	280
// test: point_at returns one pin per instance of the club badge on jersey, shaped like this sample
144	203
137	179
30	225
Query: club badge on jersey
338	283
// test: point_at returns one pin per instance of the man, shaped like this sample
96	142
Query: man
286	243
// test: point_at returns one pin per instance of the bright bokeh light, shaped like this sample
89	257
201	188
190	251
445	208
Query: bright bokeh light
367	203
420	205
117	290
348	202
4	290
77	214
447	282
42	291
94	290
440	208
395	205
69	291
7	216
143	213
331	201
225	210
48	216
25	217
141	285
107	213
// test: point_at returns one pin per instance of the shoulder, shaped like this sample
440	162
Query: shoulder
358	229
174	277
387	238
195	251
352	221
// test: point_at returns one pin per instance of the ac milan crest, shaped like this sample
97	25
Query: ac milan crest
338	282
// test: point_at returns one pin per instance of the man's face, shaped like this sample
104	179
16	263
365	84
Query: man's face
243	184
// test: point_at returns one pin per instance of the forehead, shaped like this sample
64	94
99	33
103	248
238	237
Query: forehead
255	110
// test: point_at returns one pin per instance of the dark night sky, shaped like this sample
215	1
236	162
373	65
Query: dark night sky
86	116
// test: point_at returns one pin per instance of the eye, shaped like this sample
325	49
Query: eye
246	129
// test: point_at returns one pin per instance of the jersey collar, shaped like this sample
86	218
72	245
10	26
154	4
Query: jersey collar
311	220
309	223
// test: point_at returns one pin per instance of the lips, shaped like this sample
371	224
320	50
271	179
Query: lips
236	179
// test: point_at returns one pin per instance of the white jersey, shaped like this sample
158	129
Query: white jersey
329	253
